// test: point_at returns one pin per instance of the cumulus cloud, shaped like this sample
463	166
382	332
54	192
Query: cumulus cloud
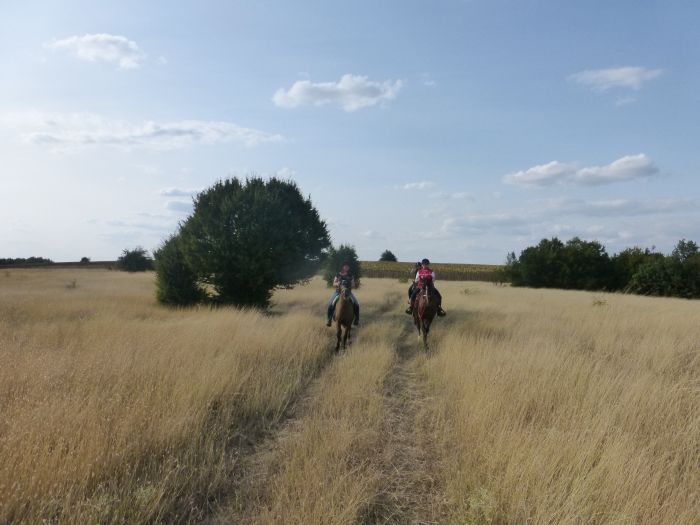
64	131
629	77
542	174
629	167
102	47
351	92
626	168
422	185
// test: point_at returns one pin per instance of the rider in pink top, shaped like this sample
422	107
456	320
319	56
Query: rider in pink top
424	271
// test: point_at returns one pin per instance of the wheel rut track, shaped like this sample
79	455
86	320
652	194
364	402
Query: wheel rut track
251	444
411	490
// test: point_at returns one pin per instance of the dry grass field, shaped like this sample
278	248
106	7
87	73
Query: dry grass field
533	406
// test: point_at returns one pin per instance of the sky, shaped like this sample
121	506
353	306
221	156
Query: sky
457	130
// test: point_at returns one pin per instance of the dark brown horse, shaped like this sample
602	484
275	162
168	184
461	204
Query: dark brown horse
424	310
344	316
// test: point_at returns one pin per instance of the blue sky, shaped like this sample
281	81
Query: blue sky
454	130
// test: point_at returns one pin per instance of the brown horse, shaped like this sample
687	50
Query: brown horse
344	316
424	310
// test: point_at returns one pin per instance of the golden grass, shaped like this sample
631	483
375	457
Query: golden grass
325	469
568	407
113	409
538	406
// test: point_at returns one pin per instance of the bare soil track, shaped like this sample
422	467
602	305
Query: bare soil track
411	489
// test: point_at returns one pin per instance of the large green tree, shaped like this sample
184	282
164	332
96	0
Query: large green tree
334	260
245	238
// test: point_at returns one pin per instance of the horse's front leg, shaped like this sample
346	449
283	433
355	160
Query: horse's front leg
346	335
338	335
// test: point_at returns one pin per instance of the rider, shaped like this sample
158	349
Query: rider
343	277
424	271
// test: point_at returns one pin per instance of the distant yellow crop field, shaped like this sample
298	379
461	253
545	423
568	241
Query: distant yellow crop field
444	271
533	406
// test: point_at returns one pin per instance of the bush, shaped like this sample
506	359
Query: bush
387	256
176	282
84	260
136	260
627	263
244	239
677	275
335	259
28	260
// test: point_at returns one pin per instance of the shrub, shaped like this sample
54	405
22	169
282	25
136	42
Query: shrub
388	256
245	239
136	260
627	263
84	260
176	282
335	259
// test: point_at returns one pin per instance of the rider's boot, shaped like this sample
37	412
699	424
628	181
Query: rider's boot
441	312
409	310
329	315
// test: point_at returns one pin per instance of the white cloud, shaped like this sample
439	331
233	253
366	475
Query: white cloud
626	168
427	80
351	92
65	131
179	206
177	192
422	185
285	173
102	47
601	80
372	234
542	174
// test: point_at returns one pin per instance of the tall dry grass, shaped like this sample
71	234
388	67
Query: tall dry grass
324	468
539	406
113	409
567	407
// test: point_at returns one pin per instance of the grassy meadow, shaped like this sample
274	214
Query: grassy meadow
532	406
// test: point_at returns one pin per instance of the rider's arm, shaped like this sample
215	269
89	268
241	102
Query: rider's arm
336	282
433	275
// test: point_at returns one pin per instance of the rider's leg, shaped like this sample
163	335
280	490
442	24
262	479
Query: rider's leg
410	291
356	309
440	311
416	290
329	313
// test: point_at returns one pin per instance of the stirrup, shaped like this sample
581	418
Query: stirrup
409	310
441	312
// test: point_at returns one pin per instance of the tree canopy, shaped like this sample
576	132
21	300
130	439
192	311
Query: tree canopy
334	260
388	256
243	239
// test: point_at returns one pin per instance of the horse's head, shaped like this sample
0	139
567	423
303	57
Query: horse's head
345	290
427	282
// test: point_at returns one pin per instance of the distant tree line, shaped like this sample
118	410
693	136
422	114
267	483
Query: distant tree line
27	260
585	265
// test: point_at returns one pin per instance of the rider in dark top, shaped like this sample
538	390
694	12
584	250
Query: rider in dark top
343	277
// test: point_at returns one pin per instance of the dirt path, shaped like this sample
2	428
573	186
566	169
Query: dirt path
248	484
411	487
